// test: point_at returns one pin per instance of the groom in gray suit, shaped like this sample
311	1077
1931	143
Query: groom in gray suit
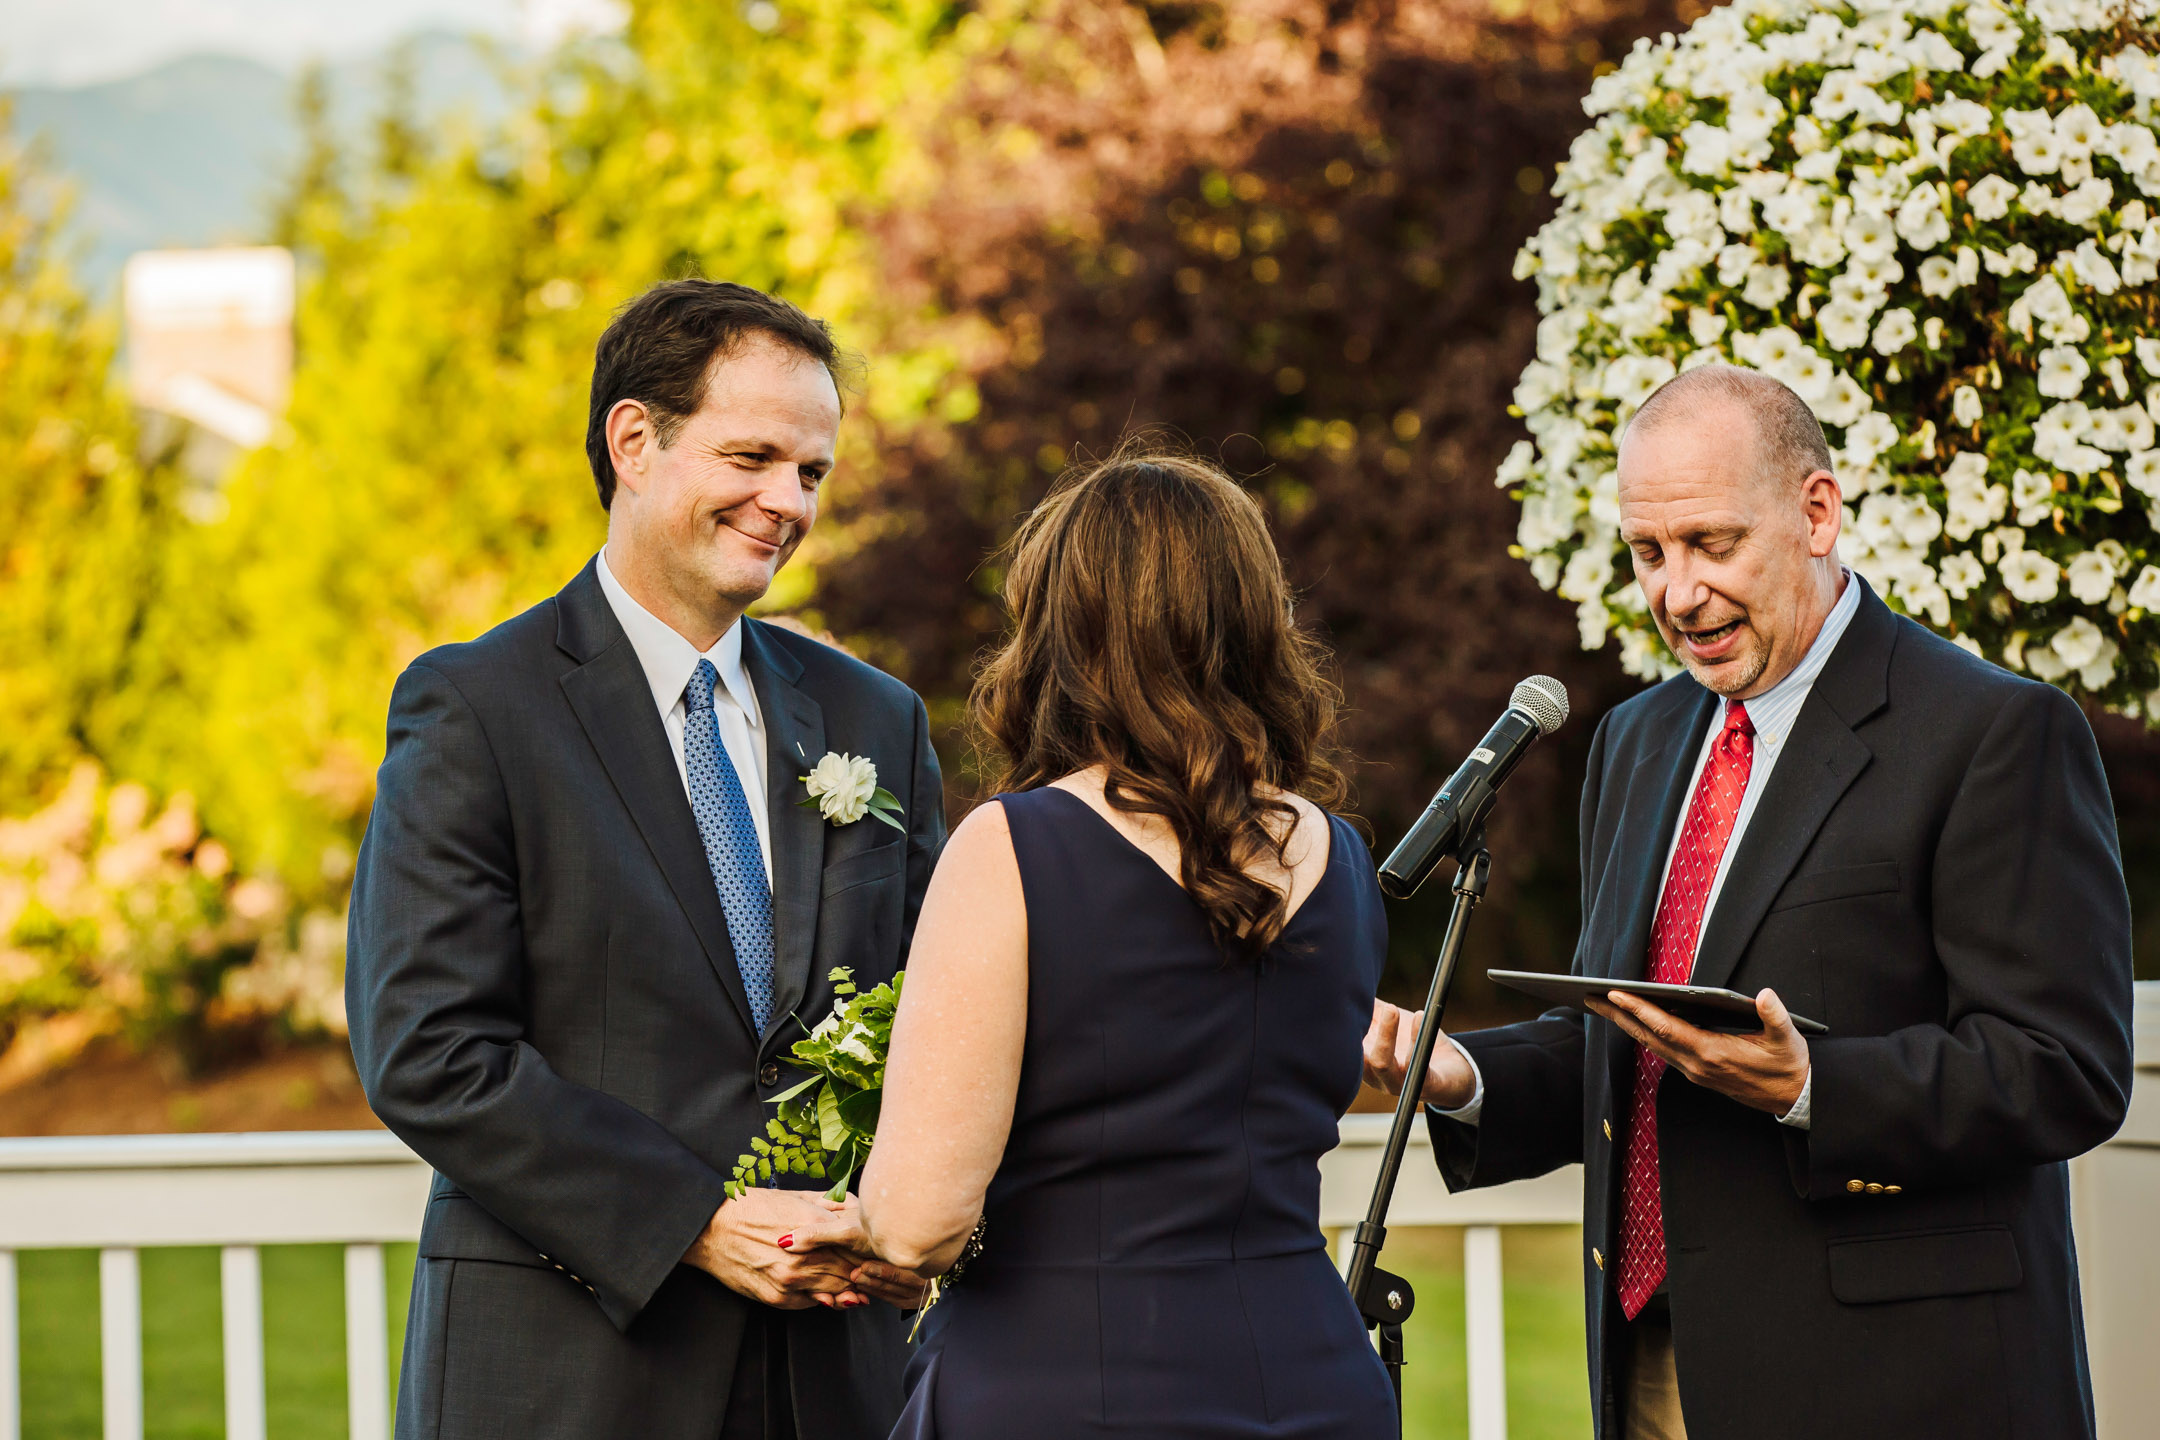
591	918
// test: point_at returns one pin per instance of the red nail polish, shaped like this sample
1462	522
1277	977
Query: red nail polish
787	1241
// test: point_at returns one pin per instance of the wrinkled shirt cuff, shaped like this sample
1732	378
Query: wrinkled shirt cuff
1475	1105
1802	1112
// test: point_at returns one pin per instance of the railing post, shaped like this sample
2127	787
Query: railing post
10	1352
367	1344
120	1334
240	1284
1485	1332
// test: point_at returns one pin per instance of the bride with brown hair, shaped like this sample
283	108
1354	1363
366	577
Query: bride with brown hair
1135	1002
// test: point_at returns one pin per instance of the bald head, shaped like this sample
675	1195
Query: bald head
1789	442
1731	513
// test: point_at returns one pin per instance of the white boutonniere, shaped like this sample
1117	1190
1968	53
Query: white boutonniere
844	788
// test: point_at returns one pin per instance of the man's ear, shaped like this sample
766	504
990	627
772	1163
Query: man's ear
631	439
1824	500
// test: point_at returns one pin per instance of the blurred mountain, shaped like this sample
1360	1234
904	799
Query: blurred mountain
193	151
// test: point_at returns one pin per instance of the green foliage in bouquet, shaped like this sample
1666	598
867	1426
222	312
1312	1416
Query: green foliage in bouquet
827	1124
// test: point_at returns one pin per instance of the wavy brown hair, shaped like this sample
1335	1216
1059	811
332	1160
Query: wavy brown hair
1152	635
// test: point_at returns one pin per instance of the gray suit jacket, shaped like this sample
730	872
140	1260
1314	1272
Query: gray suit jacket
545	1006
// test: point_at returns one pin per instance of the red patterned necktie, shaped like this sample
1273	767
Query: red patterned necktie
1703	837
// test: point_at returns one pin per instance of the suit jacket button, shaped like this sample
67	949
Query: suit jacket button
1873	1188
1893	1189
1856	1186
1608	1130
769	1073
1598	1256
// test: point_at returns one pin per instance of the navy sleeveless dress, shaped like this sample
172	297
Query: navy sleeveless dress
1153	1263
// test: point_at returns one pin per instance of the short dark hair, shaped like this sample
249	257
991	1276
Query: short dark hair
1791	445
659	350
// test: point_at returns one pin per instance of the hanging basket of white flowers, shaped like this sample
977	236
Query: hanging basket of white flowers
1934	220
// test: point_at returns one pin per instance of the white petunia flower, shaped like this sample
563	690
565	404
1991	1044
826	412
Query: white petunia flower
2078	643
1845	403
2094	269
1870	235
2078	129
2089	576
2035	496
1705	149
1990	197
1921	221
1993	28
1938	277
1896	330
2142	470
2037	154
1809	375
1734	261
2145	590
1961	574
1965	405
1843	324
1589	571
1868	439
2088	202
1705	326
1767	286
2019	259
2030	577
2062	372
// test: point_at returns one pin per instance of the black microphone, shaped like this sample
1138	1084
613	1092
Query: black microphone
1537	707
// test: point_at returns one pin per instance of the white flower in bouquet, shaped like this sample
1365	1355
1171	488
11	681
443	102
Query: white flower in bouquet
1936	221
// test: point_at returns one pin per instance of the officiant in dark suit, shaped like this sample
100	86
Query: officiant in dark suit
1863	1234
591	917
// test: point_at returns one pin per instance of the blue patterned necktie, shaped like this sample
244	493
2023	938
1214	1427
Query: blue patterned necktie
731	842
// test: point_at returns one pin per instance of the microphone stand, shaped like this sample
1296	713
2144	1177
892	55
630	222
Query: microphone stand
1384	1299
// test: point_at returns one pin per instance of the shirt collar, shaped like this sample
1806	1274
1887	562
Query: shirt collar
1774	711
668	659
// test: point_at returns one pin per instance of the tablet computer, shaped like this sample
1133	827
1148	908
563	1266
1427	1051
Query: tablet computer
1725	1011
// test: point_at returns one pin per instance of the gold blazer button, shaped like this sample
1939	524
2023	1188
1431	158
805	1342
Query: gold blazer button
1856	1186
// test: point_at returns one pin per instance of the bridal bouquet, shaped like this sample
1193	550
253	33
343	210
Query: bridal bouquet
826	1124
1939	222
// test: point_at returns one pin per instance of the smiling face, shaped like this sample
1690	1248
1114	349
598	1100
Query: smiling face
700	526
1739	566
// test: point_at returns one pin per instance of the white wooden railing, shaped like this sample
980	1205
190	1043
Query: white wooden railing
363	1189
120	1193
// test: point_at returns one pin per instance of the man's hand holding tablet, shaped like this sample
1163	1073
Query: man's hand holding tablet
1764	1068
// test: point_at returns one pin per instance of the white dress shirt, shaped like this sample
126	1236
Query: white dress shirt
669	662
1772	713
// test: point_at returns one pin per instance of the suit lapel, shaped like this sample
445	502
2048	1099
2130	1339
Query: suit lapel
794	741
1821	759
614	703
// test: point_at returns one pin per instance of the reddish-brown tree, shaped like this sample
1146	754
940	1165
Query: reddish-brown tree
1283	229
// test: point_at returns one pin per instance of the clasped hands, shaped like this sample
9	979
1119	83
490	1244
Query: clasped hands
751	1246
1764	1071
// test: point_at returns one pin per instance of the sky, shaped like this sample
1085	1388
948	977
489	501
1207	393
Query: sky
83	41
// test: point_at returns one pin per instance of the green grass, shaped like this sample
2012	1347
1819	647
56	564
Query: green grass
183	1341
1548	1396
304	1338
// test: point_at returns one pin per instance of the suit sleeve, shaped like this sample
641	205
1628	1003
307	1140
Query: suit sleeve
926	823
1531	1122
2032	1063
435	982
